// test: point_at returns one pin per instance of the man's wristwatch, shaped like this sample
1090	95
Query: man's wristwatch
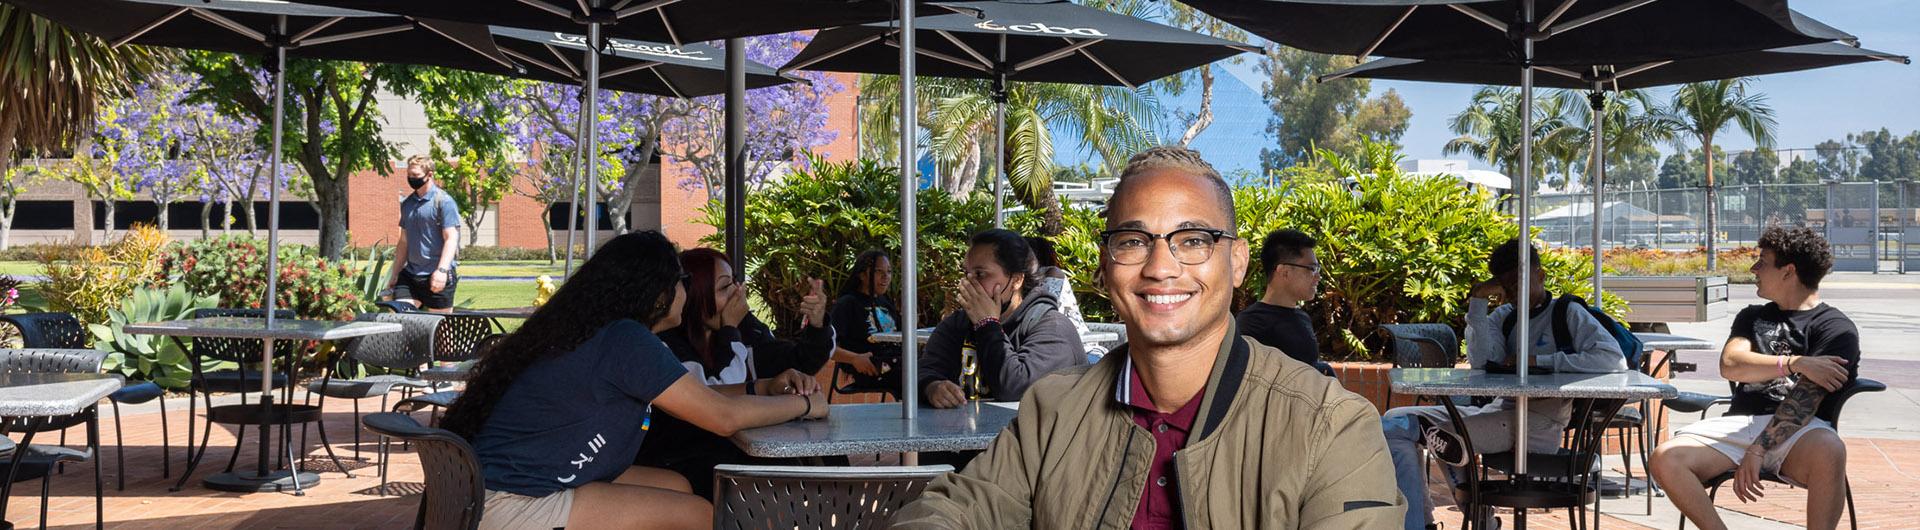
448	270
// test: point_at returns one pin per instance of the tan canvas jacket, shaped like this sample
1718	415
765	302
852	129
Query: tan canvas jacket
1277	446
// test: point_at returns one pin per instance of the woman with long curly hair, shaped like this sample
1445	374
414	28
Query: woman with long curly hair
557	411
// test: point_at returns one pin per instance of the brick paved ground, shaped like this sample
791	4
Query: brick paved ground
1886	474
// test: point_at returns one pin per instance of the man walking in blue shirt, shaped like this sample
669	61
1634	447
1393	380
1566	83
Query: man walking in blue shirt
429	239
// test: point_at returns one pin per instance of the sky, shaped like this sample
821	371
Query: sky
1810	106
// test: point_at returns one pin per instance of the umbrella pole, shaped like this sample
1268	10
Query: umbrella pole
909	253
579	184
591	113
736	123
1523	300
1000	147
1598	168
273	255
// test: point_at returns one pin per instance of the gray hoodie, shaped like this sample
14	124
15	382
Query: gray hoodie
1033	341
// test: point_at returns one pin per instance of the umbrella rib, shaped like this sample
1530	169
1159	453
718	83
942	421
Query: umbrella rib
1109	70
470	47
1056	54
629	69
965	48
668	83
550	8
316	41
668	24
944	57
324	24
1596	17
1482	17
228	23
1556	14
137	33
1641	68
1561	72
655	4
836	52
536	62
572	71
1390	29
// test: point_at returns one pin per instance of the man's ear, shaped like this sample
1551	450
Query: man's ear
1242	261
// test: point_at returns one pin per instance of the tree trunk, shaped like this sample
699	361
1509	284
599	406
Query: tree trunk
6	223
226	216
961	182
1053	222
161	218
547	221
330	196
1205	117
107	234
206	211
473	225
1713	256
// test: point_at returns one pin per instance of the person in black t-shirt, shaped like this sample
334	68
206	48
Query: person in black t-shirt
862	310
1293	276
1785	358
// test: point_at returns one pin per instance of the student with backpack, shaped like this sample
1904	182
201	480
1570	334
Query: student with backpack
1563	340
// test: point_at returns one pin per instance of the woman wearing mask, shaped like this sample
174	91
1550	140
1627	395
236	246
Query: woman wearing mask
1007	334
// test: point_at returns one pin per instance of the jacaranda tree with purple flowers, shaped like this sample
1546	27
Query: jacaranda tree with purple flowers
150	130
782	123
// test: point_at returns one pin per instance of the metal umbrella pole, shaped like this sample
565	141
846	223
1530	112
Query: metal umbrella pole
1598	168
573	208
591	113
1000	147
1524	300
736	125
909	254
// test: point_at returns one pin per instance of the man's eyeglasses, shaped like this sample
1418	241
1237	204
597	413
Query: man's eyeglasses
1311	269
1189	246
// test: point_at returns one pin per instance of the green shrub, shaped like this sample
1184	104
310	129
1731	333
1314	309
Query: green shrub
815	221
232	269
87	281
149	357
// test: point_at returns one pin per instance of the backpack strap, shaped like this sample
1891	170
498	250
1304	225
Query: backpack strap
1562	332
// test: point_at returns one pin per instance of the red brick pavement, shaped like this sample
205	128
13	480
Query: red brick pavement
1885	474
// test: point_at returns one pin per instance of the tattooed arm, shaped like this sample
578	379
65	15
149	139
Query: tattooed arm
1793	413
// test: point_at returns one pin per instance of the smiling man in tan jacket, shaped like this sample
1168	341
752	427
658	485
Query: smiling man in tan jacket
1190	425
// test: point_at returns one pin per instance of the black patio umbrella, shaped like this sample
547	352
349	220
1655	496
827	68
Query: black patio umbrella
276	29
1617	77
1525	34
1012	40
676	70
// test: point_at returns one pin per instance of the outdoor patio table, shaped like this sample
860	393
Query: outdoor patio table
452	373
1672	344
878	428
893	337
1615	387
39	396
261	478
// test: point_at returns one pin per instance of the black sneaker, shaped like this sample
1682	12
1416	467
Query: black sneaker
1446	446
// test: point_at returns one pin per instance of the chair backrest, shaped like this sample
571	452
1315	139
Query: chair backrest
455	491
460	338
234	350
1839	399
51	361
815	497
1423	345
409	349
48	330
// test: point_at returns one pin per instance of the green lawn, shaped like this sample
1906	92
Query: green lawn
19	268
526	269
484	294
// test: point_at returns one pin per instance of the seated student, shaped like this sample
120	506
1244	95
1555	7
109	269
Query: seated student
1293	275
559	408
735	354
1491	339
1787	356
1059	282
1007	334
862	310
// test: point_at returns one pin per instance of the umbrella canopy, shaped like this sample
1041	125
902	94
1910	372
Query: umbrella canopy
675	21
1046	41
247	26
1570	32
682	71
1625	76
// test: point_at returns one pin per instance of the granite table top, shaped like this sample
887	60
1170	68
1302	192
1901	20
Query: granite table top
1464	382
879	428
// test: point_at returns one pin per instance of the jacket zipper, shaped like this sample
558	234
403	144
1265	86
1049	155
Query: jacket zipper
1124	452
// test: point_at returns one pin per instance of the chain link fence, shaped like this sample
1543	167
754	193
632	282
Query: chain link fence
1873	226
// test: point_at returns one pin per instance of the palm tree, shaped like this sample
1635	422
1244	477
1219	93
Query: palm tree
1631	124
1490	128
957	121
1702	110
52	80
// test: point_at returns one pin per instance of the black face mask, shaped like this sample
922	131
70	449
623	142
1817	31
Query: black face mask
417	182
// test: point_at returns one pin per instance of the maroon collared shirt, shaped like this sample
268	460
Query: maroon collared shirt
1160	503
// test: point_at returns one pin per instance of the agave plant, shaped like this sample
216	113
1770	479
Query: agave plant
149	357
373	276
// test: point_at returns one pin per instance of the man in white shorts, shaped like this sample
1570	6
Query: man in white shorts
1786	357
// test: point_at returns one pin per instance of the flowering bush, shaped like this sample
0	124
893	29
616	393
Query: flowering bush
232	269
87	281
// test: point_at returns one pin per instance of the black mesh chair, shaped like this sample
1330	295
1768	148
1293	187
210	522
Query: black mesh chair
62	330
815	497
1839	399
399	354
40	460
1423	345
1565	479
456	492
244	379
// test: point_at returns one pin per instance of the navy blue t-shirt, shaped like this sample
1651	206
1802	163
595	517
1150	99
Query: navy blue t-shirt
578	417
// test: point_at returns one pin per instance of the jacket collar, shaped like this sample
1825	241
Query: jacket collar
1223	383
